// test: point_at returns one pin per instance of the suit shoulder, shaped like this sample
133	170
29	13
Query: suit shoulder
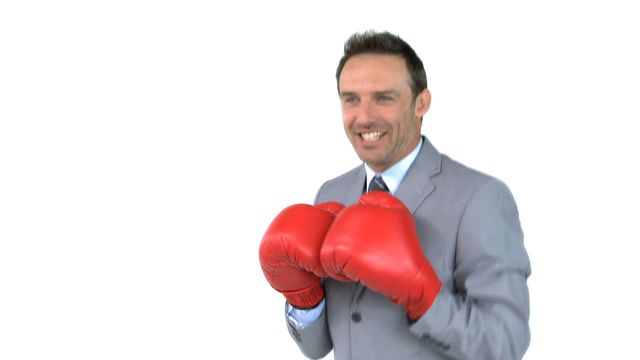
467	179
337	187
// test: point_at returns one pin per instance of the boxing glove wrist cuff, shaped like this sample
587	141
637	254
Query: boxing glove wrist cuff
429	293
306	298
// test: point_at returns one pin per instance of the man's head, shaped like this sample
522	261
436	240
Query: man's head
383	93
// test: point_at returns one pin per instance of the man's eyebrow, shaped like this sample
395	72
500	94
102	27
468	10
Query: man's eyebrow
347	94
386	92
381	92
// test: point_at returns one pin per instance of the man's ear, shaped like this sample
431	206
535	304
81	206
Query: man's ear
423	101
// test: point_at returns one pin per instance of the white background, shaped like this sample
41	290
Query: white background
146	145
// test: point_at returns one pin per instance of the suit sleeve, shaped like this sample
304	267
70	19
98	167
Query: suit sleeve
486	313
312	339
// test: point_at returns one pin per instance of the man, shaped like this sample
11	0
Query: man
433	266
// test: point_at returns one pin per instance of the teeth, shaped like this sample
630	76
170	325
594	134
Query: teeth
372	136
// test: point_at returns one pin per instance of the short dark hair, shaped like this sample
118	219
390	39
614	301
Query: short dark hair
372	42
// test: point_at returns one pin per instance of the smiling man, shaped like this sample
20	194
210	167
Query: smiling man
410	255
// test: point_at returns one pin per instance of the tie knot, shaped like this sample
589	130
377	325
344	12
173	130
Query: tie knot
377	184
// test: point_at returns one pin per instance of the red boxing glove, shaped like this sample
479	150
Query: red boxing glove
290	252
375	242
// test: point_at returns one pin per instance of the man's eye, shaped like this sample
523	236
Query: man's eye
351	100
384	98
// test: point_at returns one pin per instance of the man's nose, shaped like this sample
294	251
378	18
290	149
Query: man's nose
365	113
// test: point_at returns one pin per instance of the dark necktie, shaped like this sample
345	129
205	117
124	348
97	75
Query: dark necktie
377	184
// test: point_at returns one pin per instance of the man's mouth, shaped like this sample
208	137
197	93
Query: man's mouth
371	136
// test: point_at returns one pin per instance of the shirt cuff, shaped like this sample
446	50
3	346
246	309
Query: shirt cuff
303	317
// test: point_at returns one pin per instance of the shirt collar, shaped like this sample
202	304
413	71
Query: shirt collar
394	175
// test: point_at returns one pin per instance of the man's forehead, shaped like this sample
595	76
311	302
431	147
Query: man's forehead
386	71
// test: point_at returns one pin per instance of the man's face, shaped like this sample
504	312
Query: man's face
380	114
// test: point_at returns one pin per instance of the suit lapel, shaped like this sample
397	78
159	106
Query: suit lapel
356	188
417	184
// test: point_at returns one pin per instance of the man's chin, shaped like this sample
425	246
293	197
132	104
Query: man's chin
375	163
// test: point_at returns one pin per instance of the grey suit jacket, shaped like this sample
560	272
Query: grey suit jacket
470	231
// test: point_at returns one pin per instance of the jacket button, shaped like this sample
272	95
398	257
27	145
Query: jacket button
356	317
